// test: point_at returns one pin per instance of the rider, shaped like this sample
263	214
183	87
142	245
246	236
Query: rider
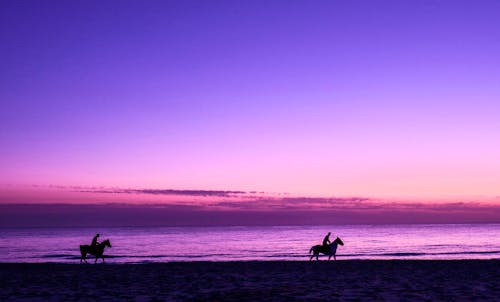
94	240
326	241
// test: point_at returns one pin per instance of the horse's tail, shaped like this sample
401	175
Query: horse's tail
312	249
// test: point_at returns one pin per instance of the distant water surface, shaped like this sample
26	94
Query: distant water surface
163	244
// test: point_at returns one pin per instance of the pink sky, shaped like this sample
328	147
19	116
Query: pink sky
314	103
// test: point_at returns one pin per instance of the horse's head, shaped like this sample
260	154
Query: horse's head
339	241
106	243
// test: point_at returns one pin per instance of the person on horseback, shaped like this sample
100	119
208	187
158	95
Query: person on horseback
94	241
326	241
96	249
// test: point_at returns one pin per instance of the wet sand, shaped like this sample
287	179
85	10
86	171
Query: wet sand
371	280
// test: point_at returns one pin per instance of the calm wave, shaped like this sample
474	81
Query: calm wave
161	244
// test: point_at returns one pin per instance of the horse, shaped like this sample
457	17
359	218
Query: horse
329	250
96	250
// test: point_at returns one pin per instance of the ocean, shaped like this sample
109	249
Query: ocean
167	244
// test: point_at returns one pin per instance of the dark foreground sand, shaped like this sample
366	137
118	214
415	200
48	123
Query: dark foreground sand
471	280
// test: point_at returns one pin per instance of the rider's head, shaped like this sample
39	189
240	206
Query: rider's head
97	235
329	233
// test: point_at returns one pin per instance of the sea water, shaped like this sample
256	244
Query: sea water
165	244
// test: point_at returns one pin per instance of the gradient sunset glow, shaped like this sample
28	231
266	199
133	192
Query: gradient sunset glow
290	106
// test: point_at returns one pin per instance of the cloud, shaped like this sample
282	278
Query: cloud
245	213
290	203
200	193
90	206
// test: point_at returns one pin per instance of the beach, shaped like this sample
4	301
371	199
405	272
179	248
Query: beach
349	280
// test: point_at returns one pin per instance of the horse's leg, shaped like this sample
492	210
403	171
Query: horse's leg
84	257
81	254
334	257
329	257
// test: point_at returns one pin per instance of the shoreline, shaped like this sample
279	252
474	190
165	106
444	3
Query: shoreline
440	280
322	259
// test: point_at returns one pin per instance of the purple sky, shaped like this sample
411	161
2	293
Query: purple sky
380	99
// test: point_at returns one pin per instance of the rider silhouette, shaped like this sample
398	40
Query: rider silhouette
326	241
94	240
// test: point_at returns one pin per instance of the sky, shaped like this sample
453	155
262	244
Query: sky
394	101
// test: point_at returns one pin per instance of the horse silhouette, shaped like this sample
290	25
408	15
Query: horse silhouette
96	250
329	250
